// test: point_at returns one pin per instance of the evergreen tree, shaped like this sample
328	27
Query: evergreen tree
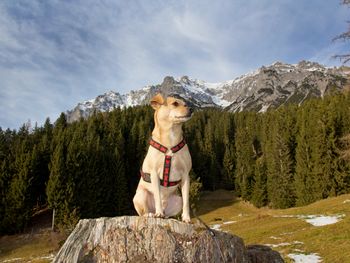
121	195
60	188
259	194
229	166
19	199
246	153
280	179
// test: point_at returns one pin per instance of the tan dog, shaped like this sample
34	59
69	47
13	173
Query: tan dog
167	163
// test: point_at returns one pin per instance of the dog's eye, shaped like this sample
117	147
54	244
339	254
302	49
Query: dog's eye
175	104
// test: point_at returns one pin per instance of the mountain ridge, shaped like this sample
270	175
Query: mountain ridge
267	87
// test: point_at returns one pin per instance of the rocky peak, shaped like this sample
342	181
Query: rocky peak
267	87
168	81
185	80
140	239
310	65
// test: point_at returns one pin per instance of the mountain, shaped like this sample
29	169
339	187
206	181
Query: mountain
267	87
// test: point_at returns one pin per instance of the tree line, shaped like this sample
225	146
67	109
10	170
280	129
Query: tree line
290	156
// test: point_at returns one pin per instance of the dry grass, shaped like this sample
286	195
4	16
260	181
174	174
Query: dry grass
255	226
39	247
266	226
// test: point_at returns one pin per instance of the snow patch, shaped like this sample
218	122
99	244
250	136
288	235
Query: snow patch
264	108
216	227
229	222
12	259
317	220
302	258
322	220
221	102
284	244
31	259
273	237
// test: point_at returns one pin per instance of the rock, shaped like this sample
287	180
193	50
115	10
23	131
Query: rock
141	239
263	254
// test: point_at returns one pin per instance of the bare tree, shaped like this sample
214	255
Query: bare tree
344	37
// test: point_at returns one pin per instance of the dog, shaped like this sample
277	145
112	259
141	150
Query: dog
167	163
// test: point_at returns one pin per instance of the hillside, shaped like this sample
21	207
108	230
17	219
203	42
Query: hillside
81	168
285	230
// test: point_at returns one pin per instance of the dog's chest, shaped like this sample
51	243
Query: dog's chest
180	163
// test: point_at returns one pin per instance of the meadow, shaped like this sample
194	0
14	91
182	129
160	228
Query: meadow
285	230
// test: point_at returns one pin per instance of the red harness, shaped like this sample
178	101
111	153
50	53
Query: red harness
167	163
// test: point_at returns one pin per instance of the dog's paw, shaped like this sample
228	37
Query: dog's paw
149	215
159	215
186	219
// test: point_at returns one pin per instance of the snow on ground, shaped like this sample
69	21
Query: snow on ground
229	222
317	220
322	220
284	244
264	108
302	258
220	101
276	238
216	227
12	260
49	257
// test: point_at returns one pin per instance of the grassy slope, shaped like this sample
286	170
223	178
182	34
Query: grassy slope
35	248
255	226
264	226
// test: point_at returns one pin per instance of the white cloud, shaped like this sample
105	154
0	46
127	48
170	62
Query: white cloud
54	54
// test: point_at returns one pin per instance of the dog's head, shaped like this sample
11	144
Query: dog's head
171	110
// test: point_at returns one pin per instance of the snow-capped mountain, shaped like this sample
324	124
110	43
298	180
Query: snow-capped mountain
267	87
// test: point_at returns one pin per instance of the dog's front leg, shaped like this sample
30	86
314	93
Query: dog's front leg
156	193
185	191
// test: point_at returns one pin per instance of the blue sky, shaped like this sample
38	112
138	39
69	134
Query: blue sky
56	53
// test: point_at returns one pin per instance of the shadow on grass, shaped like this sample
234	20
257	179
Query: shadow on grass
210	201
36	241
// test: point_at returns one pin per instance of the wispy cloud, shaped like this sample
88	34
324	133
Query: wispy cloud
54	54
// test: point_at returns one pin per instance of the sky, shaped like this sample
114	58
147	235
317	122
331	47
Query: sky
56	53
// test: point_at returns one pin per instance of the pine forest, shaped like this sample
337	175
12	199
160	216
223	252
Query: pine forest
290	156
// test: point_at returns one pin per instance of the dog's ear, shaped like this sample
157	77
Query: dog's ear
157	101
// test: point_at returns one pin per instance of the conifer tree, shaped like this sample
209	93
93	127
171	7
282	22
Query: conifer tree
121	195
246	153
229	166
280	180
259	194
60	189
279	151
19	197
303	170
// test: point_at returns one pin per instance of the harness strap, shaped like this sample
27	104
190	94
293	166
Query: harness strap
167	163
164	149
147	178
158	146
